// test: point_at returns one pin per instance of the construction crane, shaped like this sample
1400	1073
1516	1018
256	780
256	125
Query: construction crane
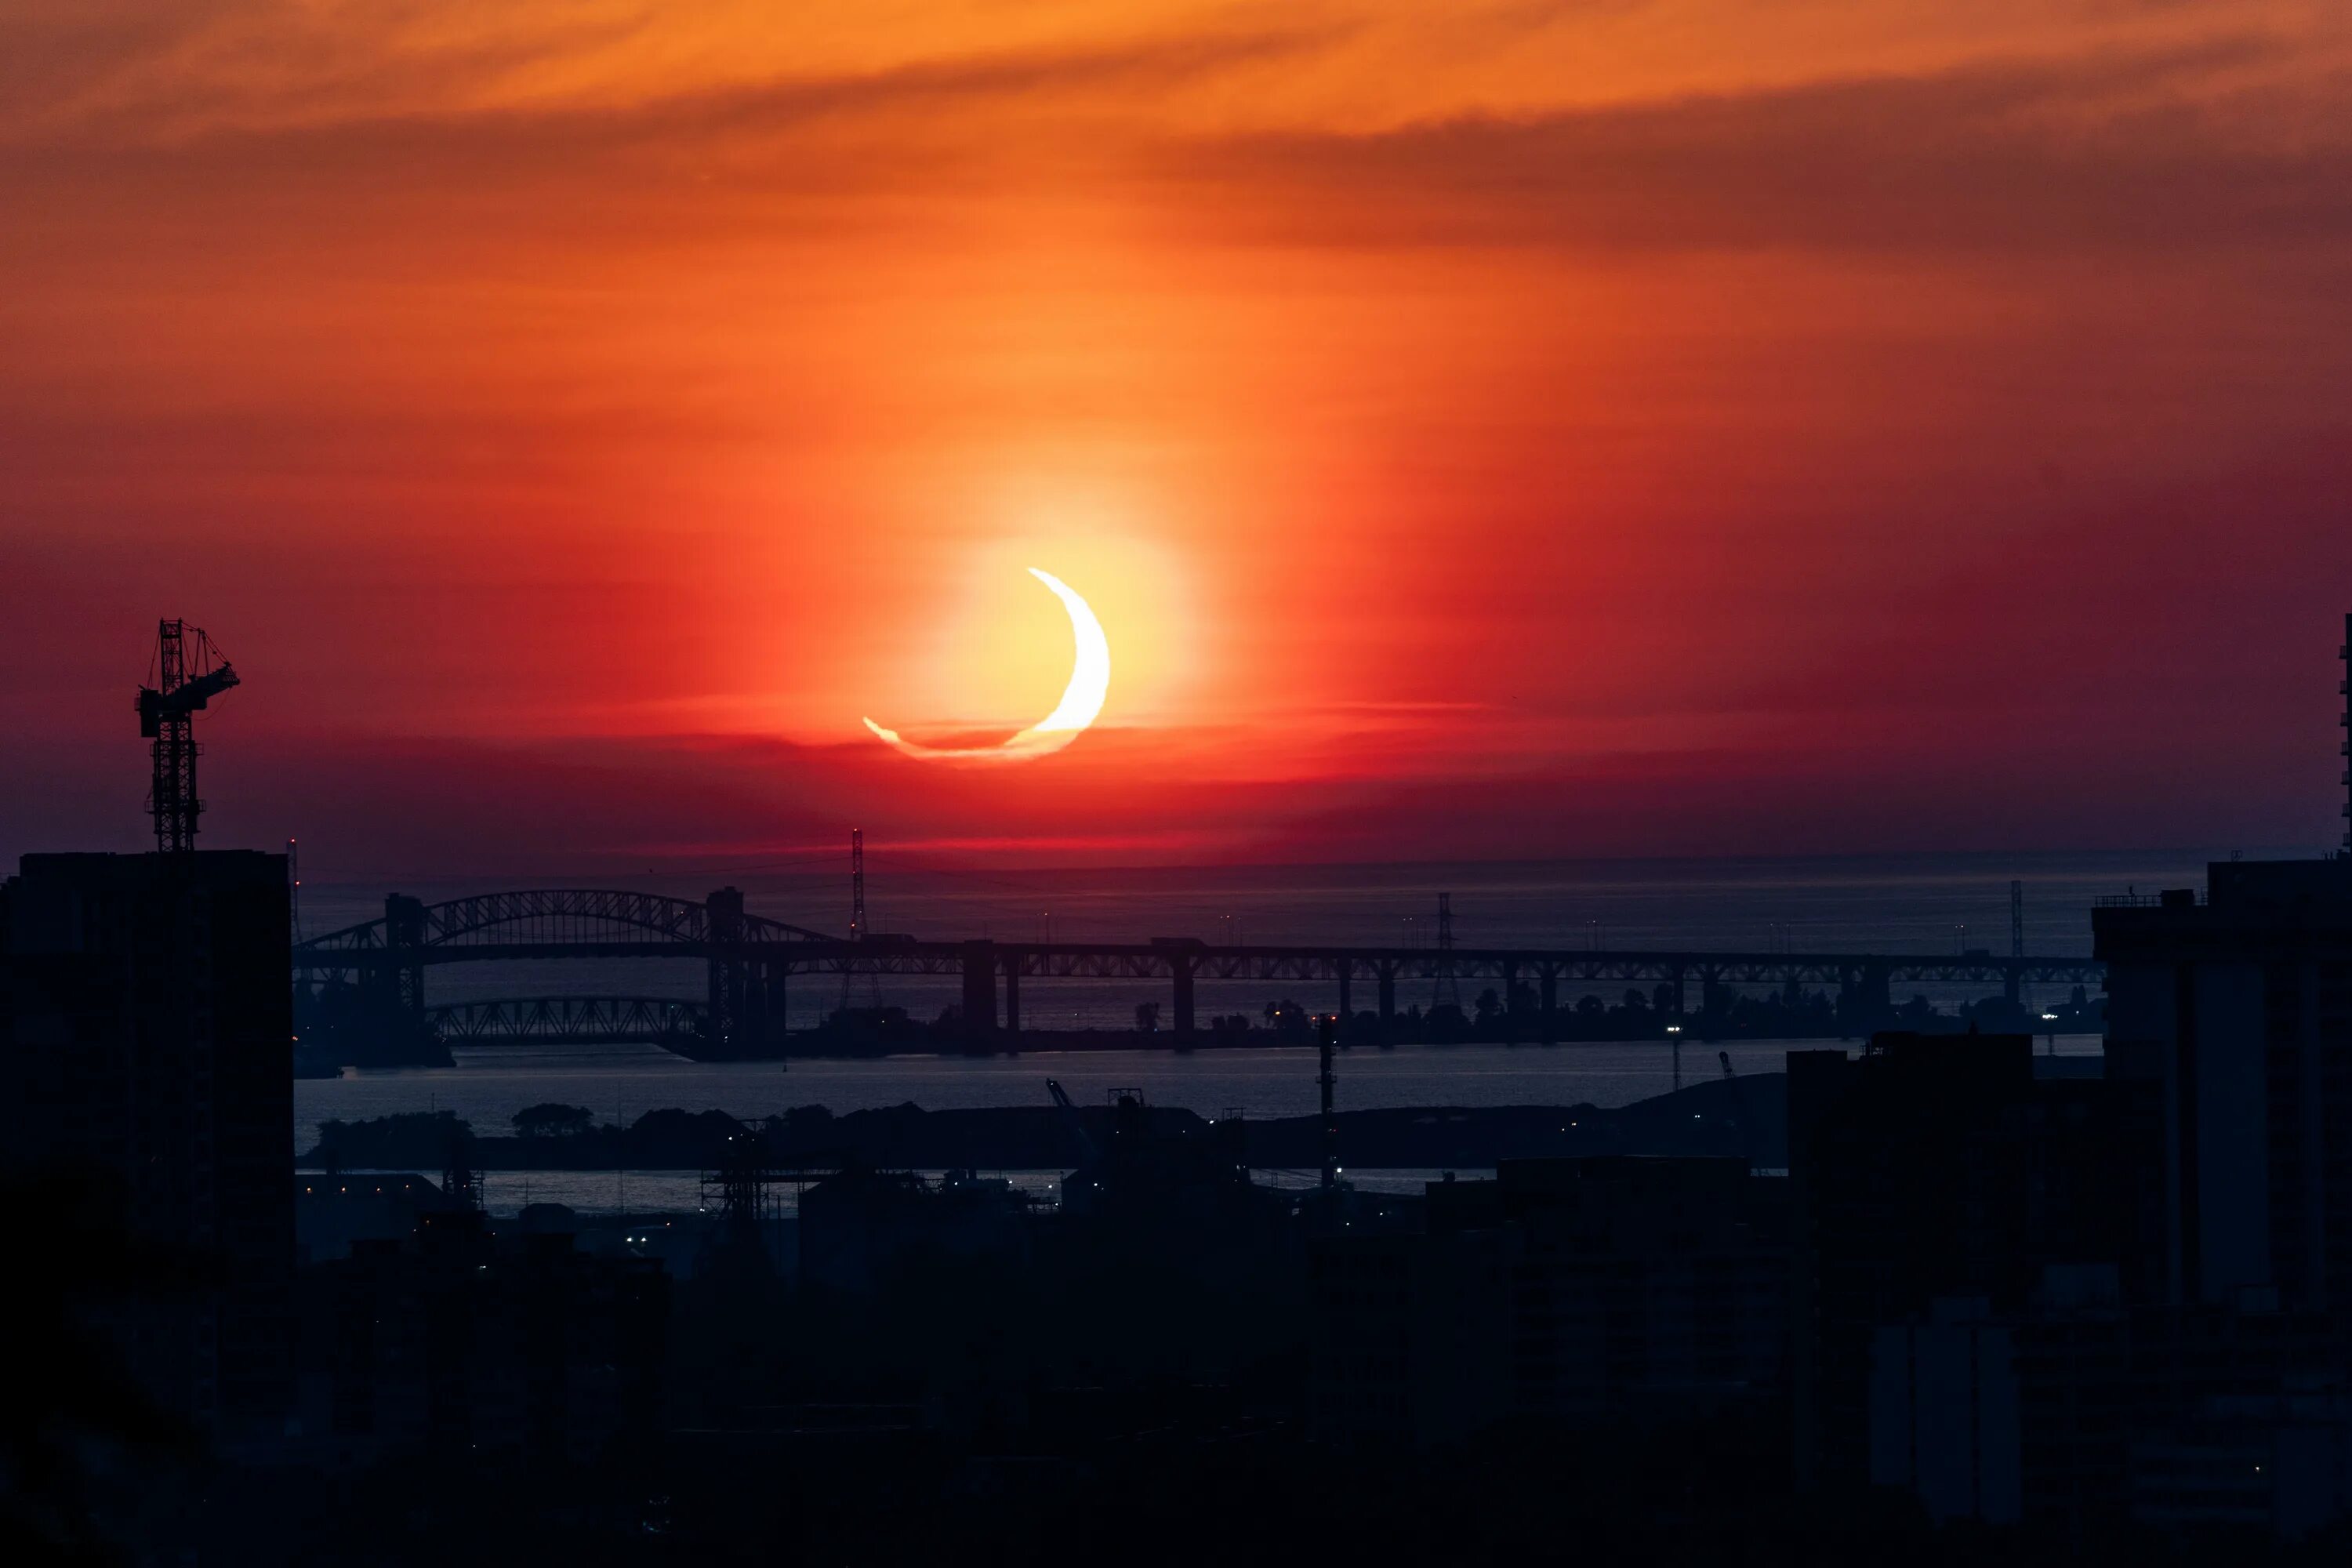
1088	1152
189	673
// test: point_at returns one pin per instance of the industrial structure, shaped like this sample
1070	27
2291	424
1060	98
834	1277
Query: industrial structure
188	672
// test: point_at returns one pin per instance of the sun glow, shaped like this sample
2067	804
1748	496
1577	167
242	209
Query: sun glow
1082	698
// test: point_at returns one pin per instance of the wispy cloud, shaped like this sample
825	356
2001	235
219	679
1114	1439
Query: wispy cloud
2168	150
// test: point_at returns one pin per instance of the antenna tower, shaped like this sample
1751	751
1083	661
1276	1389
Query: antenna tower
851	966
857	884
1326	1031
189	672
2344	747
2015	987
1445	992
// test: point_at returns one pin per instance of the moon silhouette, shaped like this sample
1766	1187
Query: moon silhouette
1082	698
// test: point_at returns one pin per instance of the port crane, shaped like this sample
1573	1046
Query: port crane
1738	1105
189	672
1088	1152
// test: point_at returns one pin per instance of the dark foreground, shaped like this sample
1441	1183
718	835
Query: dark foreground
1235	1493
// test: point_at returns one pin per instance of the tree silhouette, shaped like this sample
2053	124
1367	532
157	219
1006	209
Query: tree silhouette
552	1121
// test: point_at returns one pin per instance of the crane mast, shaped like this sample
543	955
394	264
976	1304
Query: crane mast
189	673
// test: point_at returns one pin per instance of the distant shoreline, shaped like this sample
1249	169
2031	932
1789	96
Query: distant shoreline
1742	1118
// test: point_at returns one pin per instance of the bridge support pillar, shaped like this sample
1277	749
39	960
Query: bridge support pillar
1013	999
1551	1002
1347	996
2013	983
1511	1001
1387	972
399	984
1180	964
1865	999
1714	1001
773	1025
978	995
730	976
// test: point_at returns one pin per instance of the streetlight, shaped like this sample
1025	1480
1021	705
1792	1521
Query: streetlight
2052	1019
1675	1038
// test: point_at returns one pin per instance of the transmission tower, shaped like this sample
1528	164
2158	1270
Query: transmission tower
851	966
189	672
856	884
1445	992
741	1196
2344	748
744	1185
1326	1033
2016	939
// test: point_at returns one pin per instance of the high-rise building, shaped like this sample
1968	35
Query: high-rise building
1930	1172
478	1349
1561	1291
2237	1008
145	1047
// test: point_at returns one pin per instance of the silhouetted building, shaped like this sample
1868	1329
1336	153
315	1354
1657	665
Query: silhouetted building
1158	1170
854	1226
1564	1292
1944	1411
146	1023
2280	1463
2238	1010
456	1344
332	1209
2070	1410
1939	1169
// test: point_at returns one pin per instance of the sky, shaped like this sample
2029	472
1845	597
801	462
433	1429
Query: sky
1482	430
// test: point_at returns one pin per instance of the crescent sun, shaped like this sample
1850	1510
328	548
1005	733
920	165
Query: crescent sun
1082	698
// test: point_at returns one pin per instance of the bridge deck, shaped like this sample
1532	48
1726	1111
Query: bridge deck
1107	960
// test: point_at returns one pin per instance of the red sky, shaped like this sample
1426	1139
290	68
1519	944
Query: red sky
1579	428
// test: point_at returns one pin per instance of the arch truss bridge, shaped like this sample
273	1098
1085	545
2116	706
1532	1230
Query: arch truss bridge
748	960
568	1021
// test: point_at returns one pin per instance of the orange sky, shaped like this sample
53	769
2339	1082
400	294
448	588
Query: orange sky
1522	428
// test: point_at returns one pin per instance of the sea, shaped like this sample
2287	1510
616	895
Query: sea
1895	904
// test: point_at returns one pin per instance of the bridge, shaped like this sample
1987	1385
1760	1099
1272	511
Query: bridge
568	1021
741	1014
749	960
559	922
